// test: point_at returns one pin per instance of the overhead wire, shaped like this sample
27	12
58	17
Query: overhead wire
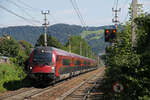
86	28
76	9
25	19
28	6
114	3
73	5
79	12
36	9
117	4
125	18
123	7
18	6
19	16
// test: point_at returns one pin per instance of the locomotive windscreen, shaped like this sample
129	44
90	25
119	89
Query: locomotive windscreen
41	56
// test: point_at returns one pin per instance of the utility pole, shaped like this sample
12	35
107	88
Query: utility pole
80	48
115	19
45	26
69	38
87	52
134	15
98	60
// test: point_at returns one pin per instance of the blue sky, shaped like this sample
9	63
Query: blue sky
94	12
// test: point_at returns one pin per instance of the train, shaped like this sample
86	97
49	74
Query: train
49	63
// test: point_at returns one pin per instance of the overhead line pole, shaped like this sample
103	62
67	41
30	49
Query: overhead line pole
45	26
69	37
134	15
115	20
80	47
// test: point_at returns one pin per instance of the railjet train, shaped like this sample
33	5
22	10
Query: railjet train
49	63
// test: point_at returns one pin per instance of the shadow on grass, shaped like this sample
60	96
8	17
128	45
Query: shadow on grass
25	83
17	84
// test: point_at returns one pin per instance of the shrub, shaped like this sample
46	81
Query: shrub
10	72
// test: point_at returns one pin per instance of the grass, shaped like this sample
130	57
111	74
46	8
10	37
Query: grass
97	32
8	74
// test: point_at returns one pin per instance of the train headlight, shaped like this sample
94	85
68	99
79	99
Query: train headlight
53	69
30	68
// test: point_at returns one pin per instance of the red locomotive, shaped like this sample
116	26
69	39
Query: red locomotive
56	64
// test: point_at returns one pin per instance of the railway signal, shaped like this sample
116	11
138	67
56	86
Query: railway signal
110	34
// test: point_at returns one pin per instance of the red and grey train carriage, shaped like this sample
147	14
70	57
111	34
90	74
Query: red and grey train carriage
56	64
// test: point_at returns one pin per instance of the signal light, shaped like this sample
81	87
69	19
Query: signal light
114	30
107	31
110	34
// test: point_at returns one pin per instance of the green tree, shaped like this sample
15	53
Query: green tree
26	46
9	47
122	63
143	49
75	46
128	66
51	41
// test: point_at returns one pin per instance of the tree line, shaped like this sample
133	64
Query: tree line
129	66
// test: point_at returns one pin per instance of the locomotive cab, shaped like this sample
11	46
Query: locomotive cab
42	63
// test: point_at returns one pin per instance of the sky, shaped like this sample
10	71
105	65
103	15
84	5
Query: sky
94	12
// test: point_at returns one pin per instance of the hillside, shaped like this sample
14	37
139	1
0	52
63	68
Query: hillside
95	39
94	36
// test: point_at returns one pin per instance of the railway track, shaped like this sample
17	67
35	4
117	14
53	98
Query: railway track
83	90
51	92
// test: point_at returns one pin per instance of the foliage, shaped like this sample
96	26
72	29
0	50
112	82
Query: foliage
26	46
20	58
51	41
121	62
143	48
10	72
11	48
128	66
75	42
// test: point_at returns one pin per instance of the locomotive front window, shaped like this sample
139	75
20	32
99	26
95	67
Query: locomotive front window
42	57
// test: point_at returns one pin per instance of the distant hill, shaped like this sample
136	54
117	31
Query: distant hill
94	35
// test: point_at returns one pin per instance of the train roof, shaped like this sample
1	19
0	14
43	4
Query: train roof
63	52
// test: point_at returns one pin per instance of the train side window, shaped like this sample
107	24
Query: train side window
77	62
57	58
89	63
85	62
66	61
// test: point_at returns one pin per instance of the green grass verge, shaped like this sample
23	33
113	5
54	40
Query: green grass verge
98	32
8	74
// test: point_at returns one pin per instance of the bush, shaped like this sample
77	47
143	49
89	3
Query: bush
10	72
122	63
17	51
19	59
